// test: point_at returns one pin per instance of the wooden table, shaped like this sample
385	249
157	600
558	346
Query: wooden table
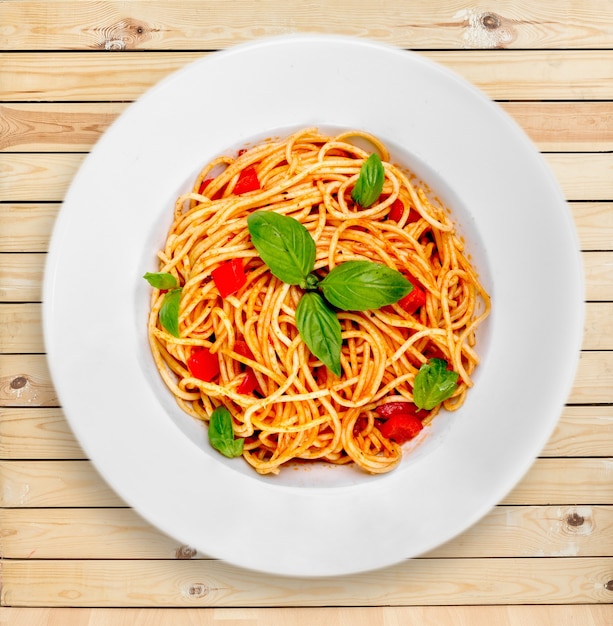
73	553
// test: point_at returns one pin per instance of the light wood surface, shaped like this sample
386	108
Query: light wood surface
72	552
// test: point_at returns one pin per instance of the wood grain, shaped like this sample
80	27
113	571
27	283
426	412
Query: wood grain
210	583
525	74
76	126
72	552
578	615
134	25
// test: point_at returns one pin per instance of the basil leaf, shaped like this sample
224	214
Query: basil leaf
369	185
320	330
221	433
363	285
284	244
433	384
161	280
169	311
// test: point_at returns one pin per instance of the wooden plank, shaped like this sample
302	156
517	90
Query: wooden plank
53	174
21	277
25	381
54	484
565	126
566	615
598	270
61	127
582	431
588	177
597	323
21	328
160	25
38	433
524	75
575	481
76	126
594	223
214	583
507	531
27	227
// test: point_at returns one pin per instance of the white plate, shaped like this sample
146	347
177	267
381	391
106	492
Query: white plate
322	521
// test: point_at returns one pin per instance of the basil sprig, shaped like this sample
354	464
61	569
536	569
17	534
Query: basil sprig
364	285
284	244
169	311
288	249
433	384
369	185
221	433
320	330
161	280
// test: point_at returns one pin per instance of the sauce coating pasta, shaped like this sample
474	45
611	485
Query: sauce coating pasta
236	343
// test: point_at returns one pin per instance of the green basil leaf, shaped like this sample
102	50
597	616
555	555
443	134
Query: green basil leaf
369	185
433	384
221	433
363	285
284	244
320	330
169	311
161	280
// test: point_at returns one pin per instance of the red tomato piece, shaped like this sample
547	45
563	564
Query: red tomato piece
415	299
229	277
204	184
396	210
241	347
203	364
413	215
389	409
247	181
401	428
249	383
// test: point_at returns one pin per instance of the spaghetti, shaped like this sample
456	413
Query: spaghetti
237	345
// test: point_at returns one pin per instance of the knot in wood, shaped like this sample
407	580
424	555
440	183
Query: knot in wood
185	552
609	585
197	590
19	382
124	34
574	519
491	21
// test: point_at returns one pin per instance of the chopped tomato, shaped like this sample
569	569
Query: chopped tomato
249	383
203	364
415	299
401	428
241	347
204	184
229	277
247	181
389	409
396	210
